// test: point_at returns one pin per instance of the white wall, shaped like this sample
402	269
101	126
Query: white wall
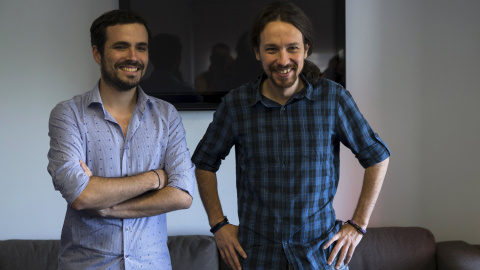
412	68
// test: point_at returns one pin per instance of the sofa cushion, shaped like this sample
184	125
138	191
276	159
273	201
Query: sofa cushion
193	252
452	255
29	254
395	248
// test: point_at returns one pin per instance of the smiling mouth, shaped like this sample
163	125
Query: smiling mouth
285	71
129	69
130	66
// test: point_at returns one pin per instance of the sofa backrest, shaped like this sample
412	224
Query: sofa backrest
186	252
395	248
29	254
193	252
458	255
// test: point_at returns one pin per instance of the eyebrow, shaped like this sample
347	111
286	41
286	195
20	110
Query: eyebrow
124	43
287	45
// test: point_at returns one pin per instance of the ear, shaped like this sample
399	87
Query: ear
96	54
257	53
307	47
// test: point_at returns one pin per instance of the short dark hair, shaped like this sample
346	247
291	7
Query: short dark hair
286	11
111	18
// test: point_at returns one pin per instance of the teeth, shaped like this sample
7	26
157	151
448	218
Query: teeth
129	69
285	71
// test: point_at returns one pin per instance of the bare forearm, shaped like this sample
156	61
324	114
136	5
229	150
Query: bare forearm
372	184
150	204
207	187
102	193
348	238
227	237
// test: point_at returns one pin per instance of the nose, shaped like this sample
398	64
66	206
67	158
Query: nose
283	58
132	54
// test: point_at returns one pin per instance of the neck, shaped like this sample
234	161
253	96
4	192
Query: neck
279	94
117	100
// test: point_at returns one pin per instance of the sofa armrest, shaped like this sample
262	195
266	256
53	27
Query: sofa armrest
395	248
453	255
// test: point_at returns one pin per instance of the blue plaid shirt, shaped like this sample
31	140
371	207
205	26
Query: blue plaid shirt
287	167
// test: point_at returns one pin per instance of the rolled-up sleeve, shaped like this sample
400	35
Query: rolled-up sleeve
66	149
178	165
217	141
356	134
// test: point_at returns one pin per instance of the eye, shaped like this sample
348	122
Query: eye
142	48
293	49
120	47
271	50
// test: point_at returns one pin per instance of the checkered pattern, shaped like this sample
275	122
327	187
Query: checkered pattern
287	167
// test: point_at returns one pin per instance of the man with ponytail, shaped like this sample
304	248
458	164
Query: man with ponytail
287	127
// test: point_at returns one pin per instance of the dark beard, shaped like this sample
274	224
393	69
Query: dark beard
283	83
113	80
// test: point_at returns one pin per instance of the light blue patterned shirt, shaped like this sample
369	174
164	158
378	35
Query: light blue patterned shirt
81	129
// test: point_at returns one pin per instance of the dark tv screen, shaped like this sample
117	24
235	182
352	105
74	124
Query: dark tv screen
199	52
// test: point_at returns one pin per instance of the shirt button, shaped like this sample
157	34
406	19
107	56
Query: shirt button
127	229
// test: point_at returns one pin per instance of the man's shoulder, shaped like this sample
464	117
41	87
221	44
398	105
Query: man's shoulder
160	103
327	89
74	103
327	85
162	107
241	93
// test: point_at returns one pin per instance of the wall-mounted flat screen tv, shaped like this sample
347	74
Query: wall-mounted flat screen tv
199	52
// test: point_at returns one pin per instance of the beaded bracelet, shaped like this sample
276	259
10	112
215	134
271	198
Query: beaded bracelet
219	225
358	228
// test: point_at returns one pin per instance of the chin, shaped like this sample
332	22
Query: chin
285	83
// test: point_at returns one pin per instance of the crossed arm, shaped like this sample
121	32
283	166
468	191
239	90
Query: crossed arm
137	196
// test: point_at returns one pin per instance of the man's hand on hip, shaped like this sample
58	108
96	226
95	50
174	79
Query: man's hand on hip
347	240
228	245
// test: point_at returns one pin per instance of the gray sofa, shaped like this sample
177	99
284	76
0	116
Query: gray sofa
412	248
392	248
186	252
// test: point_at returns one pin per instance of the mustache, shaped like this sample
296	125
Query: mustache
280	68
131	63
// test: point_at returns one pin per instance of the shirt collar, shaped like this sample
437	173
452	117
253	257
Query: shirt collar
142	100
94	97
256	95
